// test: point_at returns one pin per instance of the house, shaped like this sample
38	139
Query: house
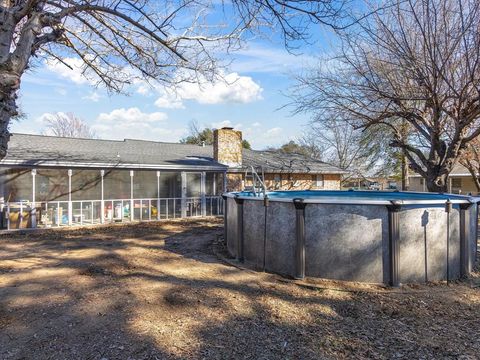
371	183
460	181
279	171
54	181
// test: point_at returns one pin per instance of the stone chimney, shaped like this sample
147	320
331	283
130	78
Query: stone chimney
227	146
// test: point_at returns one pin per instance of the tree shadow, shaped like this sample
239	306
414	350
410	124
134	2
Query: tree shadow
156	291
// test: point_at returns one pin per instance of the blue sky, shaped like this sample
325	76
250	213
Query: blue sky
259	73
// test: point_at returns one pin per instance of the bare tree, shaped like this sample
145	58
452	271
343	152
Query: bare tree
471	160
67	125
118	41
415	62
360	153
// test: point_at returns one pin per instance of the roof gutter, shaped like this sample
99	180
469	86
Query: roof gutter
289	171
96	165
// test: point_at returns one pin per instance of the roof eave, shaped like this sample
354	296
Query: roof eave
97	165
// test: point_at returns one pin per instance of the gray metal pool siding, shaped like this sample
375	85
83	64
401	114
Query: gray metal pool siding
351	242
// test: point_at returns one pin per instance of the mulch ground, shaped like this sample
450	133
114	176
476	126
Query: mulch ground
159	291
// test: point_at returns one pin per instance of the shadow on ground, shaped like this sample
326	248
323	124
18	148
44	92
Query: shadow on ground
156	291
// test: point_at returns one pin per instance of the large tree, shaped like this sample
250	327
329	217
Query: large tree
118	41
415	64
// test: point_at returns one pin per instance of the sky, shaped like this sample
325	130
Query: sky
258	77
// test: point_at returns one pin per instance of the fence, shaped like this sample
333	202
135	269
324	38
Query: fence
25	214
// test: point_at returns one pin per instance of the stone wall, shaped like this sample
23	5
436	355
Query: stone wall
227	147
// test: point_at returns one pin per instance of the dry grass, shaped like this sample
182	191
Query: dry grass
157	291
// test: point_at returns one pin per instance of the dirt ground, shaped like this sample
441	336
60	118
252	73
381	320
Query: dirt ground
158	291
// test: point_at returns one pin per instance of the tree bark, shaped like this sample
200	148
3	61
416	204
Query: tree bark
8	109
437	183
473	171
405	180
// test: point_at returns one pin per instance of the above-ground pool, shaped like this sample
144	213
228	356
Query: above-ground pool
368	236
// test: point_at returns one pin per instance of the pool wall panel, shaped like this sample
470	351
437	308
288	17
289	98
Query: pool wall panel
473	213
231	226
423	244
253	232
346	242
280	244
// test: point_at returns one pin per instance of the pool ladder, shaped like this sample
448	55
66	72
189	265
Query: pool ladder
258	185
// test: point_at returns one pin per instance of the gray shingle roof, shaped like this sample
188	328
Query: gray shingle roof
39	150
272	161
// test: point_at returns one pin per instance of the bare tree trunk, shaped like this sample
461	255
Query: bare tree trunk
475	177
437	183
405	180
8	108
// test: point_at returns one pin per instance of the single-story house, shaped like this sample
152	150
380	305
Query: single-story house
278	171
371	183
54	181
460	181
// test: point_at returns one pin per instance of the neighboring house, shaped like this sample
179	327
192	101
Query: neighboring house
87	181
371	183
460	181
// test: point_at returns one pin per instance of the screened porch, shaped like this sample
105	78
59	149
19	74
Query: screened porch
47	197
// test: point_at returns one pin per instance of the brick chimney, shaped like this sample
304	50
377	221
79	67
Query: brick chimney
227	146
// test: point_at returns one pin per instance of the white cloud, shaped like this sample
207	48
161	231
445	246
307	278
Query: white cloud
225	123
133	123
273	132
43	119
131	116
261	59
168	101
261	137
93	96
75	73
61	91
233	88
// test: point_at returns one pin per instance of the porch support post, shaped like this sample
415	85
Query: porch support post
102	202
131	196
394	243
158	195
240	236
33	209
70	207
465	259
214	185
224	182
203	178
184	195
300	239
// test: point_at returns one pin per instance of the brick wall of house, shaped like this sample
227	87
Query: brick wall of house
235	181
227	147
287	181
462	185
331	181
